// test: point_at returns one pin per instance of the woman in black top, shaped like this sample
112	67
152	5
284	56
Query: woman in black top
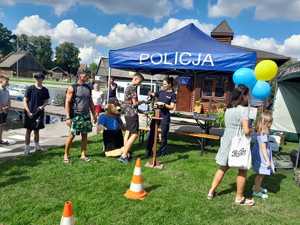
166	99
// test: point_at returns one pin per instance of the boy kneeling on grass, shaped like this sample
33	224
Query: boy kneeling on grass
112	126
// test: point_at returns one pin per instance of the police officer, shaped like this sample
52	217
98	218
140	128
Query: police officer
166	100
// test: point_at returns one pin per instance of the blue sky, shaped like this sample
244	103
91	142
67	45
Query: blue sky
98	25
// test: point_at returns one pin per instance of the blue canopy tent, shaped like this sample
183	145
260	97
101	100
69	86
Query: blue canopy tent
187	50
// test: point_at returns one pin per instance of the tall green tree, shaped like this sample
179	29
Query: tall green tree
39	47
67	57
6	40
93	68
42	50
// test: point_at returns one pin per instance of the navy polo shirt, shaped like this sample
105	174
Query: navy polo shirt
166	97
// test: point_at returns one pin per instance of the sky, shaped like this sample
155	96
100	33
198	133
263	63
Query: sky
96	26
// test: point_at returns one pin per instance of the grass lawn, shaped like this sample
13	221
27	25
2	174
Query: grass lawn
33	190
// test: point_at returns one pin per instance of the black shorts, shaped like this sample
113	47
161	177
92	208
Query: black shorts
132	124
3	117
34	123
112	139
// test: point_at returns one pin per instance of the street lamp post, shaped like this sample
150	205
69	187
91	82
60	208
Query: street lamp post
17	59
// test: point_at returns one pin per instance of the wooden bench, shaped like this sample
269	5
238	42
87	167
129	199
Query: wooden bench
200	137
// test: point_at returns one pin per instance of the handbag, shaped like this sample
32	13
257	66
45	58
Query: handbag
240	152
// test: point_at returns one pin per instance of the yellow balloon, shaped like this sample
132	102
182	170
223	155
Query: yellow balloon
266	70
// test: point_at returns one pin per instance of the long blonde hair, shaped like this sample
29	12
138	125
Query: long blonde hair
264	122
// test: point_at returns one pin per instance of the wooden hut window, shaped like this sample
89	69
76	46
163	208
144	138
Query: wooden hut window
214	87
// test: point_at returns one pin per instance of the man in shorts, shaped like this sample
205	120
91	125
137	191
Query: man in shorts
131	116
78	106
35	99
4	104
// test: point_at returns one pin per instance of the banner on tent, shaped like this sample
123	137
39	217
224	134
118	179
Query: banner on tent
177	58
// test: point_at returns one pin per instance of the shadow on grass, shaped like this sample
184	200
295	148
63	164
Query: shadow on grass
14	180
152	188
179	157
272	183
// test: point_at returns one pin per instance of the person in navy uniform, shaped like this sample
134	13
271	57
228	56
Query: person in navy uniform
166	100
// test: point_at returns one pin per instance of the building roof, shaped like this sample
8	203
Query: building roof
12	58
261	55
25	59
222	29
102	70
58	69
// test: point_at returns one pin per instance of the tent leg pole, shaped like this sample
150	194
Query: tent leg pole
108	87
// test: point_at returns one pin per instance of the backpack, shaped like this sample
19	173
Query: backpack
74	86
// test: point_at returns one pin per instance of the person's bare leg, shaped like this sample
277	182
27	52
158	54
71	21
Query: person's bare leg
240	184
126	136
217	179
84	145
1	131
27	137
258	181
68	146
36	136
129	143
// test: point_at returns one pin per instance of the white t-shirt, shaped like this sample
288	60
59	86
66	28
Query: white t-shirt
97	97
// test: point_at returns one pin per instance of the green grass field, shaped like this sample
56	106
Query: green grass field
33	190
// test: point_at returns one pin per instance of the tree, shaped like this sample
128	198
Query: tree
67	57
42	50
93	68
39	47
6	40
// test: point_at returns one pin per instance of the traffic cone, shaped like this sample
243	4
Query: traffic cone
67	217
136	190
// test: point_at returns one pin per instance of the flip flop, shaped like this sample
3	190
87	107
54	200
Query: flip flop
245	201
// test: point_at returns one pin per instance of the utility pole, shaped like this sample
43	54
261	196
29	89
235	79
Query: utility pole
17	58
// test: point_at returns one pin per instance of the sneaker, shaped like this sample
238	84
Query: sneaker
38	148
27	150
260	195
123	160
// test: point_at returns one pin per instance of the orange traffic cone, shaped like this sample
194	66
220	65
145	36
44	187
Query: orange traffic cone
67	217
136	190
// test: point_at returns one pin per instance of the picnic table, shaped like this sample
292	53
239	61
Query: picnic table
202	131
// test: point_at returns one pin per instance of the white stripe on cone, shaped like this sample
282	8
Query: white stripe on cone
67	221
137	171
136	187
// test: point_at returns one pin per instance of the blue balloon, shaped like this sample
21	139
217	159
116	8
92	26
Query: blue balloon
261	90
244	76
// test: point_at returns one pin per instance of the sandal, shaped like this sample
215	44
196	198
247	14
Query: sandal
67	160
210	196
4	142
245	201
86	159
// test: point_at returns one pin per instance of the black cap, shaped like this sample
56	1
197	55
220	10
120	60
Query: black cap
39	76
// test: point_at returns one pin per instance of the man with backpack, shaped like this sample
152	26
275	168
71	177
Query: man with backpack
78	106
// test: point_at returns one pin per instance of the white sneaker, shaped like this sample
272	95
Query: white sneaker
27	150
262	190
260	195
37	147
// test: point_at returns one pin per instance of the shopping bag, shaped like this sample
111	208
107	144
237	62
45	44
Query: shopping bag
240	153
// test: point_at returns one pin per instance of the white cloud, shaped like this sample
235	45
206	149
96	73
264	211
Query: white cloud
154	9
123	35
187	4
266	9
290	46
89	55
33	25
